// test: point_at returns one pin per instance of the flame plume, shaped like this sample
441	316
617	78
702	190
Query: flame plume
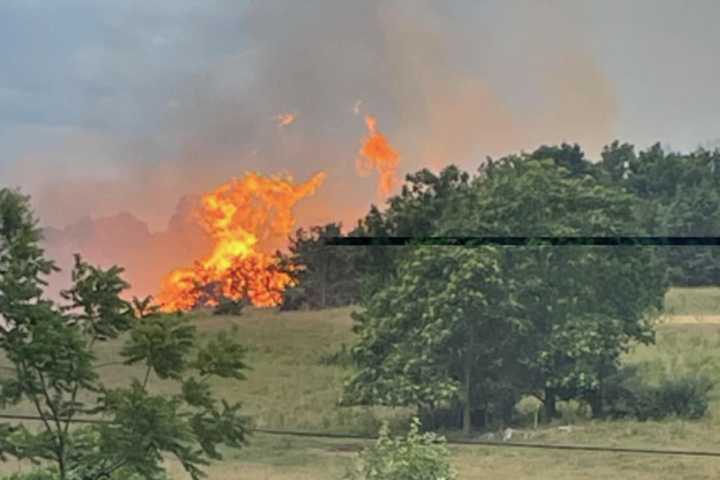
246	218
377	154
285	119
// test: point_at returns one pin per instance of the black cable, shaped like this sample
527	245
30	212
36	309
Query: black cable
350	436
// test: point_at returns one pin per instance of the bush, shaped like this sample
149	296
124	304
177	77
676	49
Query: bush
573	411
340	358
228	306
684	396
37	474
294	298
49	474
416	456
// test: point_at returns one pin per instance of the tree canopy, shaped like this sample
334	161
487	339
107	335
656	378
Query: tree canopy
467	324
54	369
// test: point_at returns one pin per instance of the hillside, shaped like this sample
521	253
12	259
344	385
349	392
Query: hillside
291	385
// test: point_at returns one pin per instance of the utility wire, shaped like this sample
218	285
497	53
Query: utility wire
479	443
589	448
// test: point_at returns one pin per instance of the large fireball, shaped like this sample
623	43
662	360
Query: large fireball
248	219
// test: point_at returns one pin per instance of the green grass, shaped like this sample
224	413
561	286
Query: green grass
290	387
693	301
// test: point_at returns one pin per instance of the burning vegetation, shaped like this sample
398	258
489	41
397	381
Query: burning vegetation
247	218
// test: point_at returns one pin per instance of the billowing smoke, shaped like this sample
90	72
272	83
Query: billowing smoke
276	86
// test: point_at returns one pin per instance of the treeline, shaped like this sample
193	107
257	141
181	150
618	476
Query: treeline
674	194
467	332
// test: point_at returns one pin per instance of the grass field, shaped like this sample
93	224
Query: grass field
693	305
290	386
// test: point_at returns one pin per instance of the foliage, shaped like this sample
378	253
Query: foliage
483	326
678	196
36	474
54	369
334	276
228	306
429	336
581	307
416	211
416	456
341	357
49	474
668	194
684	396
326	275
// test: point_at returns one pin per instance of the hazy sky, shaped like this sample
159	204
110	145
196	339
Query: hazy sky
108	106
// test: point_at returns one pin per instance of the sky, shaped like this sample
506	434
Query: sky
112	106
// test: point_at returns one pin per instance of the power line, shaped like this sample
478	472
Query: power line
479	443
484	443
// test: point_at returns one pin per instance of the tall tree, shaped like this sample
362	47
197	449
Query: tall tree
326	275
570	157
433	333
598	297
677	196
414	212
55	370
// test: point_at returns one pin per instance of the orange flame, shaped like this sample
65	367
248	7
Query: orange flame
247	218
285	119
377	154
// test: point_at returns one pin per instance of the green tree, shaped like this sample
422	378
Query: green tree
677	196
569	157
55	369
616	161
581	306
325	274
415	212
692	212
433	333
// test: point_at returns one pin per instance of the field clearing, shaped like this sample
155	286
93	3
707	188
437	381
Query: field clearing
291	386
693	305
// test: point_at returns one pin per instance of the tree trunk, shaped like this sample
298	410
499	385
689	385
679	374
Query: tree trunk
507	411
467	400
466	421
597	403
550	405
61	464
323	286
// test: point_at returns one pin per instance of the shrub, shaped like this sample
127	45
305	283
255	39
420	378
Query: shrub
528	409
37	474
340	358
227	306
449	417
573	411
294	298
416	456
50	474
685	396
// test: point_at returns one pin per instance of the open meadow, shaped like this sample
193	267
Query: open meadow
293	385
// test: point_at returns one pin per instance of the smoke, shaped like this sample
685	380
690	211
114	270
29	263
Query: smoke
450	82
125	240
